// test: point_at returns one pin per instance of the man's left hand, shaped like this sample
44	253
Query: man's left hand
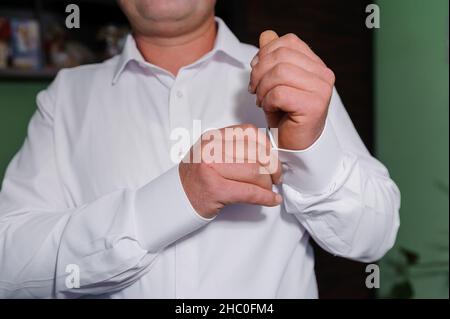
294	87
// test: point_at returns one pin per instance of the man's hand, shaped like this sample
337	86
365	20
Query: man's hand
294	87
238	177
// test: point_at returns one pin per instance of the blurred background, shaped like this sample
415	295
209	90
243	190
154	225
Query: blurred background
393	80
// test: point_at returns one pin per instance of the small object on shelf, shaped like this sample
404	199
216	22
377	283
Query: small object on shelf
5	33
54	39
26	46
4	49
35	44
64	53
113	38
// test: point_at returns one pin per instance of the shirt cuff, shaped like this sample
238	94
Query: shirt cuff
311	171
164	213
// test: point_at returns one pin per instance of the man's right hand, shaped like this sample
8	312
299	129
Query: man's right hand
244	177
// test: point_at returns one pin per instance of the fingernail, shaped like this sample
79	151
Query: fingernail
278	198
250	88
255	61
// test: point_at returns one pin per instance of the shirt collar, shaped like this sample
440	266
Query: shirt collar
226	42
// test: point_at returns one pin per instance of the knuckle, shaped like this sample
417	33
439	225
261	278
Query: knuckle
292	38
280	70
330	75
277	94
280	54
257	69
255	72
259	95
249	126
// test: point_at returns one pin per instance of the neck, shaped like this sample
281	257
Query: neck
172	53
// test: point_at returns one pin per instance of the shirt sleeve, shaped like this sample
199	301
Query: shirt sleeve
341	194
111	241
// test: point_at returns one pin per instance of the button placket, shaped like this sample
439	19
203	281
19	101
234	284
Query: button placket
186	251
179	109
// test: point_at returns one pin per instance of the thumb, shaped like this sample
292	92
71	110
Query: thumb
266	37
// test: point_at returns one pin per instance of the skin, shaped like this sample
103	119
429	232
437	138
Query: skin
212	186
292	85
172	33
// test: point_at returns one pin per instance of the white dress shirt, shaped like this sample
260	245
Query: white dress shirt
94	186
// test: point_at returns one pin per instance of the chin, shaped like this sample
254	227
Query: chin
166	10
167	18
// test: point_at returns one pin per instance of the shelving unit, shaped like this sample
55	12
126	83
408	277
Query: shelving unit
93	13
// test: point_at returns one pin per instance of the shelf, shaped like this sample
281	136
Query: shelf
52	12
10	74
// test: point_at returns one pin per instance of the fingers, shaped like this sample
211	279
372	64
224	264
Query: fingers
289	100
242	144
293	76
248	144
287	61
288	41
237	154
245	173
266	37
214	181
275	170
289	56
236	192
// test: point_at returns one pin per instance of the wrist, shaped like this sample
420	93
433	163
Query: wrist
299	137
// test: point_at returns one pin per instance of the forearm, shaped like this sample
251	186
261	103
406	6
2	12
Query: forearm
341	194
356	218
112	241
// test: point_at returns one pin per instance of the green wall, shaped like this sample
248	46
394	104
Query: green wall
17	104
412	101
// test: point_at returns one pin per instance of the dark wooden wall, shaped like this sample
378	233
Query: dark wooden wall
336	31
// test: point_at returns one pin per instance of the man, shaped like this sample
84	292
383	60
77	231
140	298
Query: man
93	204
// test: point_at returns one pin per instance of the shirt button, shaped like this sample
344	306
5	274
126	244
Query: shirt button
180	94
